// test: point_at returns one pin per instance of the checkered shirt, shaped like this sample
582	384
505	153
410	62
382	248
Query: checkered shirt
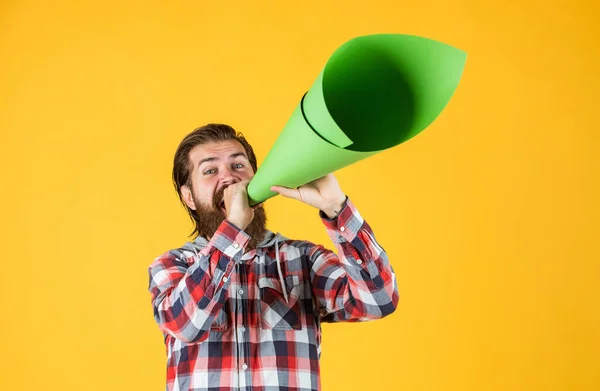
237	320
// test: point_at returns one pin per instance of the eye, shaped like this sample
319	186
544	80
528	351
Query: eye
208	172
238	164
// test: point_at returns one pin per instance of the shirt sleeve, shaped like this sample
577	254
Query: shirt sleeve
360	283
187	294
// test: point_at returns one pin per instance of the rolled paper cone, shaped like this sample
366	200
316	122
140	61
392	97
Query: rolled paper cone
374	93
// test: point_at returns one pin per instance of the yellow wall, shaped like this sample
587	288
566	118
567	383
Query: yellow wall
490	216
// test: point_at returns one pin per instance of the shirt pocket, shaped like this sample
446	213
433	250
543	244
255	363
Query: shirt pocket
221	322
276	312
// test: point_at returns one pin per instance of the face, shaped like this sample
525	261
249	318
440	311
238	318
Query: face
214	167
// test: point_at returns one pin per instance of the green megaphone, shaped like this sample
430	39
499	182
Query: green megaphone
374	93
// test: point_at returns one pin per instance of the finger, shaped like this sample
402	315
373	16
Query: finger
289	193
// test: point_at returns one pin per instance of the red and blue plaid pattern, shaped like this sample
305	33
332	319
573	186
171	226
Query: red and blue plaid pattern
235	321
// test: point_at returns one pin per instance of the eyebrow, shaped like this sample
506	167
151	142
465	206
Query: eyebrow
232	156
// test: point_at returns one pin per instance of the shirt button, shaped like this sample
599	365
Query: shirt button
235	245
242	329
359	261
244	367
343	229
241	291
224	279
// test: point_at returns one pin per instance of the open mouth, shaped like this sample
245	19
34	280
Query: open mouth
222	205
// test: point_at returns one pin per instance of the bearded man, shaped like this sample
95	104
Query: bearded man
241	307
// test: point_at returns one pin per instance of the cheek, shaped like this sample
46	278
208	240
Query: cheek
204	191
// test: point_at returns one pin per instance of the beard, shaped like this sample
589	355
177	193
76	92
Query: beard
209	220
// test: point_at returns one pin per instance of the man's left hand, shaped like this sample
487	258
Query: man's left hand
323	193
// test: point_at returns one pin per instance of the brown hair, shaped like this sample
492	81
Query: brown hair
182	167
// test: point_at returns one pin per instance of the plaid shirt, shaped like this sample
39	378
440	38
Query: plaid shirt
252	321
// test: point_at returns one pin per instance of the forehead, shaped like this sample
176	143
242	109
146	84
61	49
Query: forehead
219	149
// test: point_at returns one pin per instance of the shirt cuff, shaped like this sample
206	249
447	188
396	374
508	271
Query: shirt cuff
230	240
345	226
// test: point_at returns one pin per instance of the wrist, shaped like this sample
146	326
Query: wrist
239	222
335	208
241	225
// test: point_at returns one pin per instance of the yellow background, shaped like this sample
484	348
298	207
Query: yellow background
490	216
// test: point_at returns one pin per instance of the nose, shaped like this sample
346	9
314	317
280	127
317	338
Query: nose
228	177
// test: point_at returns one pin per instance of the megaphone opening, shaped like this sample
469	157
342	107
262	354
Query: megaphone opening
369	98
378	91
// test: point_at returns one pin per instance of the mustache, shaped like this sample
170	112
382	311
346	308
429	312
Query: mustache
219	195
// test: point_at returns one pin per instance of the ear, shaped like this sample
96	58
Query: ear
188	197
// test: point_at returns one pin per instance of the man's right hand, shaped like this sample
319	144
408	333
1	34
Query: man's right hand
236	204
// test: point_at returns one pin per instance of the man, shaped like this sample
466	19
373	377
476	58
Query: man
240	307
